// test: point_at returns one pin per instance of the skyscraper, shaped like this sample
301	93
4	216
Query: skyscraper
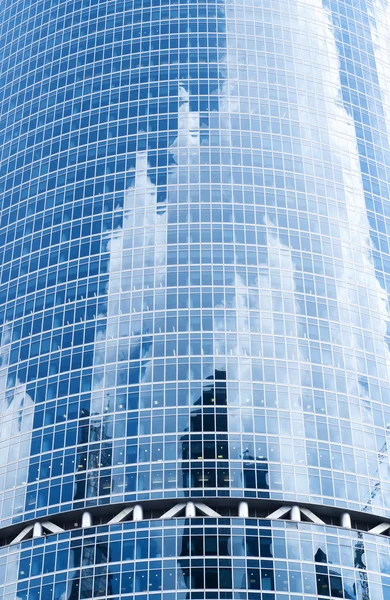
195	359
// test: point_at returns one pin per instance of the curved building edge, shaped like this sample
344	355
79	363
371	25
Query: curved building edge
233	557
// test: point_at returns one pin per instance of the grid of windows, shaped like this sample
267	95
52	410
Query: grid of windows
229	557
194	257
175	206
194	273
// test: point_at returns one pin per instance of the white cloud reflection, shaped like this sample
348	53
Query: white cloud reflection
356	317
17	412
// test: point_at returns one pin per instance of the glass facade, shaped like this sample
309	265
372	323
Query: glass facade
210	557
194	274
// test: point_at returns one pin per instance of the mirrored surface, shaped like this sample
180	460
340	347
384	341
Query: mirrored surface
194	253
201	558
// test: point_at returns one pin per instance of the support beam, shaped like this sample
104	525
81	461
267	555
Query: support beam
52	527
121	516
295	513
312	517
37	530
172	512
19	532
138	513
280	512
381	528
24	534
190	509
86	520
206	510
243	510
345	520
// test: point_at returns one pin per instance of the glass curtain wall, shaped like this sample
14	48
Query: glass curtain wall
194	263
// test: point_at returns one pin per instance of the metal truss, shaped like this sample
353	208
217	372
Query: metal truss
194	508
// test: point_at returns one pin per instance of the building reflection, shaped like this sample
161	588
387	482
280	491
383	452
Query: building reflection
84	584
255	474
205	454
93	478
364	592
94	462
205	450
329	580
